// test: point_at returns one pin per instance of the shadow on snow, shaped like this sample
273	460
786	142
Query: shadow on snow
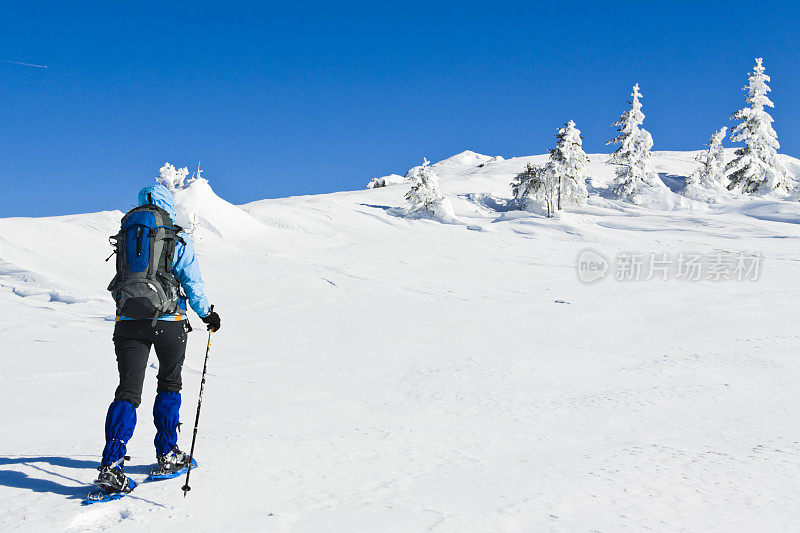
20	480
675	183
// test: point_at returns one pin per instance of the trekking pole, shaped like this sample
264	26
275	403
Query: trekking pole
186	488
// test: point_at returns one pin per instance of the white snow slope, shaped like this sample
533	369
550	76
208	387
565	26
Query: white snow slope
375	373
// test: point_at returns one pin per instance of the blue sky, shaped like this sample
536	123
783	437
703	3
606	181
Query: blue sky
303	98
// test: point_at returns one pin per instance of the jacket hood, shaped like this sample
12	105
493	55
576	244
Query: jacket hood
160	196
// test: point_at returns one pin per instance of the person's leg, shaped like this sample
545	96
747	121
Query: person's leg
120	423
132	349
169	339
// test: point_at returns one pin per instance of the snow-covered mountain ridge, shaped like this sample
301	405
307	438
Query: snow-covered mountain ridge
379	373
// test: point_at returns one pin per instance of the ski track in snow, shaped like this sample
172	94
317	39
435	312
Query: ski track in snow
375	373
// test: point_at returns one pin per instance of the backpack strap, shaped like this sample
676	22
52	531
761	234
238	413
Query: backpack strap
178	230
150	273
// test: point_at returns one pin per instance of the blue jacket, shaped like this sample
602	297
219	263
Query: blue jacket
185	266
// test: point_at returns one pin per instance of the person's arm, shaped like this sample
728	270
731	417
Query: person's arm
187	271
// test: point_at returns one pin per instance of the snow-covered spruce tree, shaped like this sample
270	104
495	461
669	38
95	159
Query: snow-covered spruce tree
172	178
633	155
568	166
537	183
711	174
425	197
756	168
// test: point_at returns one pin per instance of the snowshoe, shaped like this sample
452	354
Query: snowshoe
170	465
112	484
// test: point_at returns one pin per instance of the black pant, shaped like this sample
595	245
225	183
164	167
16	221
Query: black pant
132	341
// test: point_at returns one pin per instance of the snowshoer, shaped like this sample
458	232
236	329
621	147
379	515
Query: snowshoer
155	260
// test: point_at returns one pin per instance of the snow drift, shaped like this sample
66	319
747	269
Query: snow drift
199	209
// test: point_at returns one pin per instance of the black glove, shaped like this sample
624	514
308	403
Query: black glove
212	319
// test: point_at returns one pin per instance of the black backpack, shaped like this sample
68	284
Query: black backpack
145	286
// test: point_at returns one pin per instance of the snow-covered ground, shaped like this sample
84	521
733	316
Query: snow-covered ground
375	373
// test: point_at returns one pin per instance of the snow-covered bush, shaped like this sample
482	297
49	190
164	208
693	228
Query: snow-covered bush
383	181
633	155
536	183
524	183
710	177
425	197
568	166
172	178
756	168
